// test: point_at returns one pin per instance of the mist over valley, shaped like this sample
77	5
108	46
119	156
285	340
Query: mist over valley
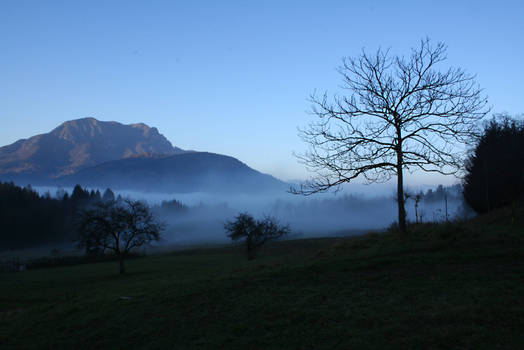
195	193
199	217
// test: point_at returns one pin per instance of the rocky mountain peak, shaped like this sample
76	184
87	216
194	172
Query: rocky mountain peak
81	143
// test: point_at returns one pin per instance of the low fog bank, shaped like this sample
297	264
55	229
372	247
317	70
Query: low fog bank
198	218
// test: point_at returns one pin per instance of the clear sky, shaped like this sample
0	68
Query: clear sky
230	77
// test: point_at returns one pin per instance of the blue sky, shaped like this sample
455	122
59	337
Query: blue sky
230	77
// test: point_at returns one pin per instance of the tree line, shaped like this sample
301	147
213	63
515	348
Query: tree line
29	219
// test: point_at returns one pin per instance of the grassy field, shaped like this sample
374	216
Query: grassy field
454	286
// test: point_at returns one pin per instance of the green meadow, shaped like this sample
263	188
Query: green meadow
447	286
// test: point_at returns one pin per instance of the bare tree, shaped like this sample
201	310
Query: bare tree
254	232
117	226
417	199
399	114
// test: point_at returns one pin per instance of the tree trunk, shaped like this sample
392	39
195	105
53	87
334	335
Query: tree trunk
250	248
250	254
400	176
122	270
400	193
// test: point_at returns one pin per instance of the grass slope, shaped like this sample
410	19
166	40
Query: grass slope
456	286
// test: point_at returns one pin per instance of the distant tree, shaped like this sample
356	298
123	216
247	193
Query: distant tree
254	232
400	114
108	195
98	196
117	227
60	193
173	206
417	198
495	170
80	195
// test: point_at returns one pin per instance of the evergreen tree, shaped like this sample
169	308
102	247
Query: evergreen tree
495	170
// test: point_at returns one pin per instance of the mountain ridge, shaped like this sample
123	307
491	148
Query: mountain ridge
78	144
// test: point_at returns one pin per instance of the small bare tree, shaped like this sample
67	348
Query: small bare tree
399	114
117	226
255	233
417	198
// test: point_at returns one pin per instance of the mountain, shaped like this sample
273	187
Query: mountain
185	172
133	157
78	144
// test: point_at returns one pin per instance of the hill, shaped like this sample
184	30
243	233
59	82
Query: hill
454	286
77	144
180	173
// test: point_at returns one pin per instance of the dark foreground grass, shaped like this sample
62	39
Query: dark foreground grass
456	286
